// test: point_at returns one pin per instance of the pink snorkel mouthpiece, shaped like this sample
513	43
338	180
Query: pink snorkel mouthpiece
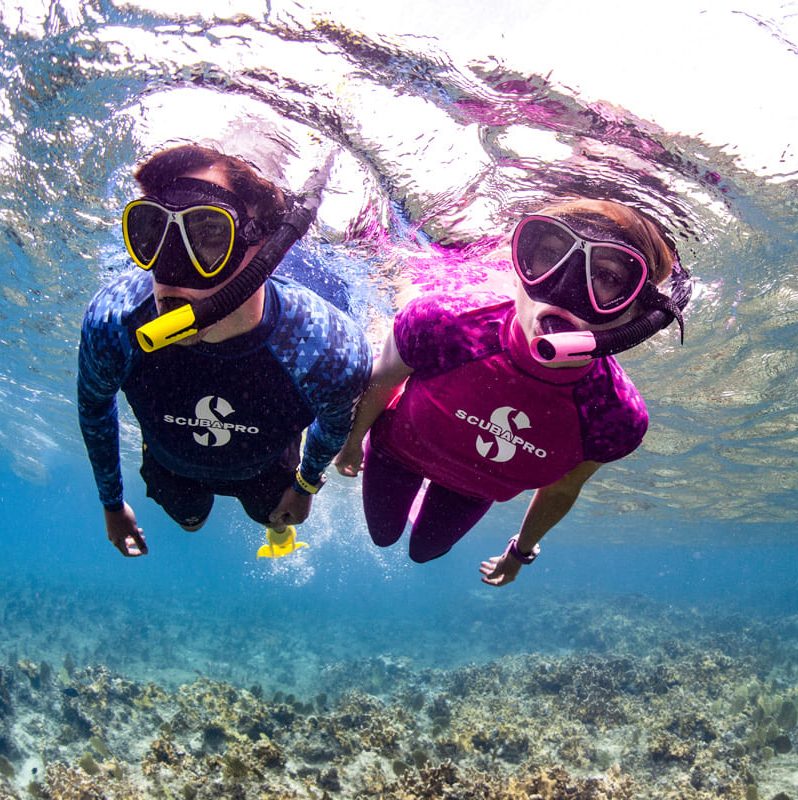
560	347
557	344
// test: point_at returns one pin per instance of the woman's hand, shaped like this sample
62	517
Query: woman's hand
389	373
500	570
350	460
548	506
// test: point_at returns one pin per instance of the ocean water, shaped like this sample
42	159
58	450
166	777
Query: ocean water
652	650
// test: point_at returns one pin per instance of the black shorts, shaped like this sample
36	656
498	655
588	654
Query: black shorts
188	501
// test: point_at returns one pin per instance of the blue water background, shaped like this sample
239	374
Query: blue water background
702	518
225	614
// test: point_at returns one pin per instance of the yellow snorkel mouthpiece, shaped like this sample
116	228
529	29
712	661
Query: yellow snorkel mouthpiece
280	543
168	328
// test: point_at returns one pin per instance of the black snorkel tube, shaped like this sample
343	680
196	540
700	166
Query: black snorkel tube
660	311
193	317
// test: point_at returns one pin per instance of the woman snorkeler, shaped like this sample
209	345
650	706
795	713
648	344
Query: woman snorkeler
487	397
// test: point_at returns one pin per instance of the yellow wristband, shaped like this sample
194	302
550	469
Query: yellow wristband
309	488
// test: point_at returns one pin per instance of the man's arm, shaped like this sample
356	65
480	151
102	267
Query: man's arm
332	369
335	407
102	366
99	423
105	360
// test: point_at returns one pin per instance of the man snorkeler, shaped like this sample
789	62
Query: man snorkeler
254	360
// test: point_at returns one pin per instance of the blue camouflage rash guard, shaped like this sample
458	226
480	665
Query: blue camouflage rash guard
223	411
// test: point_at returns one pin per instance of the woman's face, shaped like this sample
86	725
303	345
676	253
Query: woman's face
531	314
537	319
555	303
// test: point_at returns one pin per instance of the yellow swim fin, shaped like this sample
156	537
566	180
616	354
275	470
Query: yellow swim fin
280	543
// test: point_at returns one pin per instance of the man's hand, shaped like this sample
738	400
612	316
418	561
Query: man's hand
350	460
292	509
124	532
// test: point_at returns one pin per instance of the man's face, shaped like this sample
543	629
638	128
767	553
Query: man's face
169	295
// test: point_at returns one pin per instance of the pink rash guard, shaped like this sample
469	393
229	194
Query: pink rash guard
481	417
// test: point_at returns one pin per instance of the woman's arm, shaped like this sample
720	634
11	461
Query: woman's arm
388	374
549	505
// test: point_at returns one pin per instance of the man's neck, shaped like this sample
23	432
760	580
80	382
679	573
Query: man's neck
244	319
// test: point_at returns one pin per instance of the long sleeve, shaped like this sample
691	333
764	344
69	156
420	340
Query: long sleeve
334	401
104	360
329	359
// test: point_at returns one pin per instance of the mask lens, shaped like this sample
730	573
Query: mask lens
144	227
541	247
615	276
211	234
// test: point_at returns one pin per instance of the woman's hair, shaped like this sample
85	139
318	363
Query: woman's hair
262	197
616	219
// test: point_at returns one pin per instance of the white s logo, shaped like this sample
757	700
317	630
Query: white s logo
502	446
221	435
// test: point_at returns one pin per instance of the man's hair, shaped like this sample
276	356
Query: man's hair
635	227
263	198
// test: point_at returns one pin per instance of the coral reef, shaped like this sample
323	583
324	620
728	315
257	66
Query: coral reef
694	727
689	708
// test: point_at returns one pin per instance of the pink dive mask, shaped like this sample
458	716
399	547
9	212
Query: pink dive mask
597	280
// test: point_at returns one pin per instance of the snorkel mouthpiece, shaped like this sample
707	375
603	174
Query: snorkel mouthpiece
167	329
560	347
557	348
189	319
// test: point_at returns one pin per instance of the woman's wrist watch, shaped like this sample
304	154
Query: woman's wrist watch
302	486
523	558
